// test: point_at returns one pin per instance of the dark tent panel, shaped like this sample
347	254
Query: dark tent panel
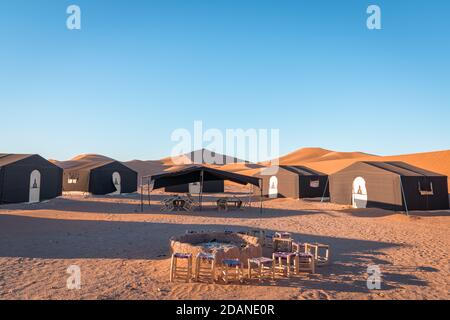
394	186
193	174
216	186
197	174
98	177
294	182
28	178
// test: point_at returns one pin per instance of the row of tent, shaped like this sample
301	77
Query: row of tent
388	185
394	186
31	178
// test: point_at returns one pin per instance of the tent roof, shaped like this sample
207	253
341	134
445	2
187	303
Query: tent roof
303	171
76	165
193	174
8	158
402	168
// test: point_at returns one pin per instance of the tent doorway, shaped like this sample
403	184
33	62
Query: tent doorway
359	193
117	183
35	186
273	187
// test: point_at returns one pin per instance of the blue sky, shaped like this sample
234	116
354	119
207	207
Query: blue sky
137	70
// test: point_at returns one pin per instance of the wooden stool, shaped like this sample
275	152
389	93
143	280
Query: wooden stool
321	253
304	262
298	247
282	244
205	266
284	268
184	272
263	267
231	268
268	240
283	235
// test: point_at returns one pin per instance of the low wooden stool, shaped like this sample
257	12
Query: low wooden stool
184	272
231	268
304	262
283	235
298	247
282	244
268	240
284	268
321	253
205	266
263	267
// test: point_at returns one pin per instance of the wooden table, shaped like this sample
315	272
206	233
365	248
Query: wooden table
227	203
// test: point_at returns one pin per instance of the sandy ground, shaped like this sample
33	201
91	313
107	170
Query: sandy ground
123	254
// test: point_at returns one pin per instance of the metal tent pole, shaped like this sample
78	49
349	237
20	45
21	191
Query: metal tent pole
148	192
325	190
404	198
261	196
142	194
201	190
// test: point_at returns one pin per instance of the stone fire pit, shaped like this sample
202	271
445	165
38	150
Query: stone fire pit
223	245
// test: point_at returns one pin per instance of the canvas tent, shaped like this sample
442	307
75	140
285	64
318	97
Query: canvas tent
389	185
98	176
216	186
293	182
193	174
28	178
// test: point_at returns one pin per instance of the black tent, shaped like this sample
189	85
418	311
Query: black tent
200	174
98	176
28	178
389	185
294	182
216	186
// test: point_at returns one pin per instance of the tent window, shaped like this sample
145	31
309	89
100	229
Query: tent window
72	180
426	189
314	183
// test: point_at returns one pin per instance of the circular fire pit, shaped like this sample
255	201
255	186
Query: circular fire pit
222	244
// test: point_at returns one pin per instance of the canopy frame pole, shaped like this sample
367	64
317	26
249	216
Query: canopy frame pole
142	194
201	190
325	190
261	196
404	198
149	193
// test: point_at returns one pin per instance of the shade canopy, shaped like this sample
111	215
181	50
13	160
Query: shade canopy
195	173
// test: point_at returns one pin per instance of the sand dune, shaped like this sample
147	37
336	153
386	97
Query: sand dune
91	157
318	154
323	160
146	168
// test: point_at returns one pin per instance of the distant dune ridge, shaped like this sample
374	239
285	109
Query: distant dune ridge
323	160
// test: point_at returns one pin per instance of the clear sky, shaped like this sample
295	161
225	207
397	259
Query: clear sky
137	70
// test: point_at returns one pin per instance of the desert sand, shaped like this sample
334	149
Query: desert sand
124	254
